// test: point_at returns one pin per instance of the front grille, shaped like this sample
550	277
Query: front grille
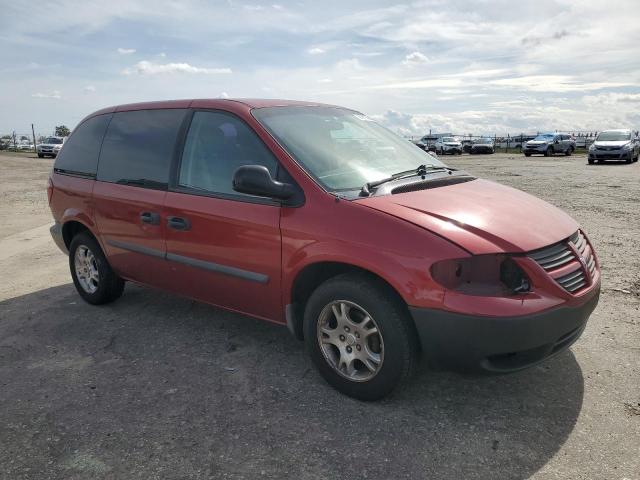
571	263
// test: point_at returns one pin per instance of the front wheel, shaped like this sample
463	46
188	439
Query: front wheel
360	336
92	275
548	152
569	151
527	154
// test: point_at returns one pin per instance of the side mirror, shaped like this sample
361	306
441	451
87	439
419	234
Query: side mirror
256	180
556	141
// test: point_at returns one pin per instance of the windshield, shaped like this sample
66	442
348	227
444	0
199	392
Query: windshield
613	136
484	141
340	148
544	137
448	139
53	141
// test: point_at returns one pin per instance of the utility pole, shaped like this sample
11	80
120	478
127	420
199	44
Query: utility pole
33	132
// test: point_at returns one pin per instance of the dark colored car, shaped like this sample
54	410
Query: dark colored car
483	145
316	217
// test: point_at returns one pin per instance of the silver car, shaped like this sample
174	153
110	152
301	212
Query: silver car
483	145
549	144
621	145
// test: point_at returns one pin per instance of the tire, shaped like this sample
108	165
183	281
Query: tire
356	298
527	154
40	155
629	160
548	152
99	284
591	161
569	151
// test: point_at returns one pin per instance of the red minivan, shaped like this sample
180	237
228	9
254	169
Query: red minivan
316	217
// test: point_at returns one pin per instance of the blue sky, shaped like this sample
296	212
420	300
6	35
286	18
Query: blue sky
463	66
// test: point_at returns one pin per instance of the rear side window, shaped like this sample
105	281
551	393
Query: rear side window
138	147
80	153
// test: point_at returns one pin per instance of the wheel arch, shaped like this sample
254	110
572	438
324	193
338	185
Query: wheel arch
313	275
71	228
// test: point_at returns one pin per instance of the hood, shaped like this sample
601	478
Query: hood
539	142
480	216
611	143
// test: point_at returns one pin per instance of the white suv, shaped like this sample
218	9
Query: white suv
50	147
448	145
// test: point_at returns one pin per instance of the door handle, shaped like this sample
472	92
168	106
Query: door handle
178	223
151	218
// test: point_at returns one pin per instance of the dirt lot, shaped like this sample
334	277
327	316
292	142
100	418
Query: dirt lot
155	386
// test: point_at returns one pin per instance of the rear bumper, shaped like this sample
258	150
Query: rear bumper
56	234
499	344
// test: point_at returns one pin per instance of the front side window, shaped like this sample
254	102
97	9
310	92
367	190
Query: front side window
340	148
138	147
80	153
216	146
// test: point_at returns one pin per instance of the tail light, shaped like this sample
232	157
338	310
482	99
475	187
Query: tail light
490	275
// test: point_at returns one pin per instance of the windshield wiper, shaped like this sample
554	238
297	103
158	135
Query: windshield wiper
422	170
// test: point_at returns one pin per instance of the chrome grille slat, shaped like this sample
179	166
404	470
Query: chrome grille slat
560	254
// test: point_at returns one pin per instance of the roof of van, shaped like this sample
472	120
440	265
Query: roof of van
209	102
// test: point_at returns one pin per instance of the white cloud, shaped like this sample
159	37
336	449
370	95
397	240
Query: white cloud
415	58
126	51
149	68
316	51
223	95
54	94
89	88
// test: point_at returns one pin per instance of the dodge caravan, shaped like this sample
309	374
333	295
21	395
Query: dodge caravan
315	217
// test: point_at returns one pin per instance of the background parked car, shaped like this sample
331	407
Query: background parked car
615	145
448	145
548	144
484	145
50	147
466	145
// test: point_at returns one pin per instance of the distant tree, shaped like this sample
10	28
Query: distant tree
23	138
62	131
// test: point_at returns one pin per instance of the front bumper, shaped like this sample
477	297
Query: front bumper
500	344
618	154
535	148
482	150
451	149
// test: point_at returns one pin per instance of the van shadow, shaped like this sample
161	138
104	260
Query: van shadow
156	385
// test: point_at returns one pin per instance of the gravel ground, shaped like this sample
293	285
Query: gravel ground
156	386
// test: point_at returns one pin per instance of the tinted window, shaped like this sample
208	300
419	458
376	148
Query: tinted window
138	147
80	152
217	144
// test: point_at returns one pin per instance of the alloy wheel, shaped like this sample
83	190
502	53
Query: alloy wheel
86	269
350	340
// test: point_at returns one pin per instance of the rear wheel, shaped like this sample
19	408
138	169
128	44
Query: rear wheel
92	275
359	336
548	152
40	155
569	151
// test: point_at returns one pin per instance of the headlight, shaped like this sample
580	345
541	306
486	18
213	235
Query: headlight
484	275
592	147
627	146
